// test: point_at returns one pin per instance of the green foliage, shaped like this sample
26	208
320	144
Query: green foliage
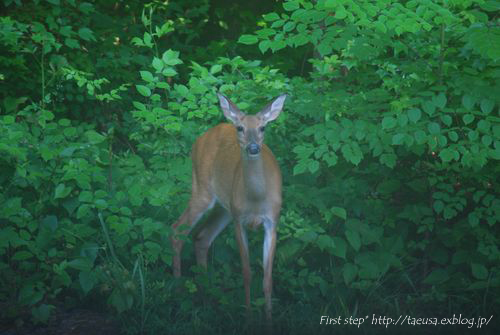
389	151
395	133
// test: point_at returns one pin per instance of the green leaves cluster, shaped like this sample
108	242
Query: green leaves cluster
364	27
395	117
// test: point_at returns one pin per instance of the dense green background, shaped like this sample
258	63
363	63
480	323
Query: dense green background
389	147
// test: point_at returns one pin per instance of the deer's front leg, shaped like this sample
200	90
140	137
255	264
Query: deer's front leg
241	237
268	257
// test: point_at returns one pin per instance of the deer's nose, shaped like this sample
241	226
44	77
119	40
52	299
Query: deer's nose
253	148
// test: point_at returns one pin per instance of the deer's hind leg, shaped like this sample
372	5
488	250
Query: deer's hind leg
186	222
206	233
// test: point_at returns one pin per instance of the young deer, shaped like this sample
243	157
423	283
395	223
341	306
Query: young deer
233	168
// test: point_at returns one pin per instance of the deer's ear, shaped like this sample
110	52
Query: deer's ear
273	110
231	112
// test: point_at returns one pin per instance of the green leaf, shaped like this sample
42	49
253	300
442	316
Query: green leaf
277	45
9	119
276	24
101	204
157	64
86	7
448	154
389	160
325	242
83	211
62	191
449	212
330	158
479	271
85	196
340	247
380	26
147	76
452	135
66	31
47	115
313	165
71	43
143	90
437	276
473	219
429	107
442	140
216	68
468	118
71	204
264	45
487	140
485	40
300	39
88	279
388	122
349	272
299	168
398	139
434	128
487	106
468	101
490	6
248	39
420	136
438	206
80	263
169	72
42	313
125	211
94	137
288	26
271	17
439	100
291	5
324	48
139	105
339	211
121	300
22	255
340	13
331	4
137	41
28	295
484	126
414	114
447	120
352	153
472	135
86	34
354	239
171	57
69	131
182	90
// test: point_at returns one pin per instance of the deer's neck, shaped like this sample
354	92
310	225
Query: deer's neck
254	178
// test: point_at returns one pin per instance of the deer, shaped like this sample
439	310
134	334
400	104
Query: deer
233	169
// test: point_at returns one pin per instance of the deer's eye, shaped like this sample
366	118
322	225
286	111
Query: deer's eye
262	129
239	129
